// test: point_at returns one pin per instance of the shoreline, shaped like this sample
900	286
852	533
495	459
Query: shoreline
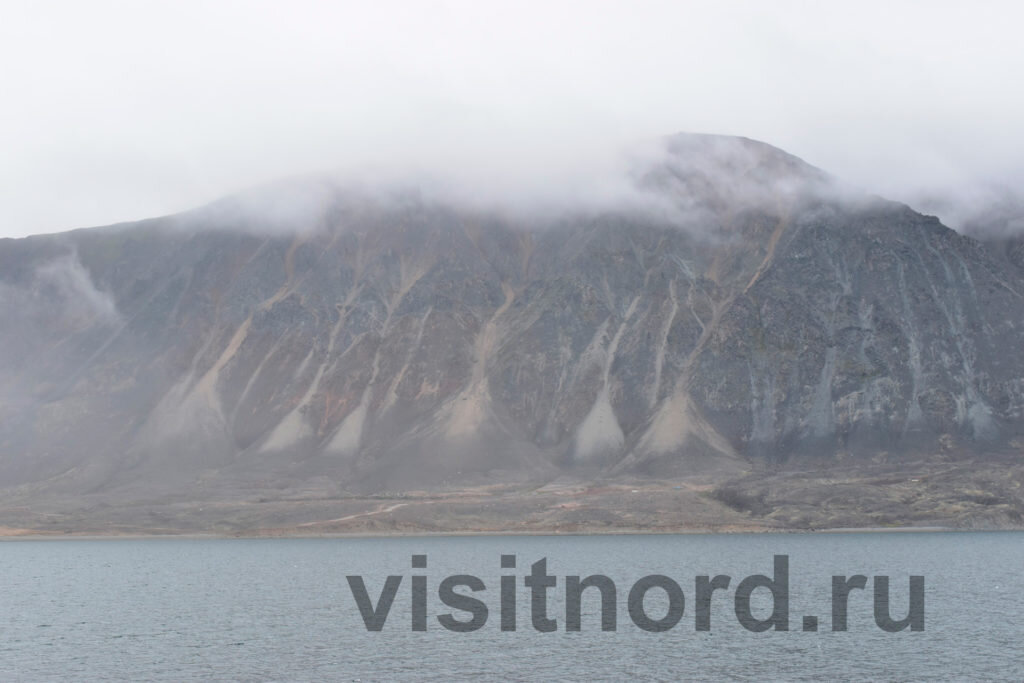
276	535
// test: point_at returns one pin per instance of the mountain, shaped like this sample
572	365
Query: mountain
315	351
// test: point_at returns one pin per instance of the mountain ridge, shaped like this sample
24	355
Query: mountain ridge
736	310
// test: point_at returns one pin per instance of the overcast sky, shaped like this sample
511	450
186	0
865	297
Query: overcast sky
113	111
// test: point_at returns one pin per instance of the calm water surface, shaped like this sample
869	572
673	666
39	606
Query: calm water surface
281	609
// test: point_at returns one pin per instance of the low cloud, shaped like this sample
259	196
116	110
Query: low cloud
71	285
686	180
107	120
983	210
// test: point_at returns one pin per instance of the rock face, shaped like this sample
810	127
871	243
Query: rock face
751	311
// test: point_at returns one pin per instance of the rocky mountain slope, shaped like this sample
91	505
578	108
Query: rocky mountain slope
743	312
